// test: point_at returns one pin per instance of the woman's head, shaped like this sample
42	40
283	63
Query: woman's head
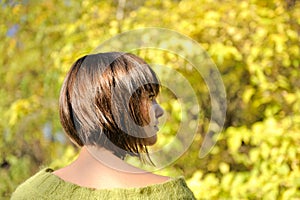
108	100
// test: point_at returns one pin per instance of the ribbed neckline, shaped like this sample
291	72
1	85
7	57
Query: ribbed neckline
51	183
46	185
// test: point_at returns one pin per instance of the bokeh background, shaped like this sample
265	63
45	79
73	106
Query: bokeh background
255	45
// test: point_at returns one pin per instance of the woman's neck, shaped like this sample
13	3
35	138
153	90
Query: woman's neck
100	168
103	158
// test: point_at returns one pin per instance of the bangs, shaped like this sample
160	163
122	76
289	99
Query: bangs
142	78
152	88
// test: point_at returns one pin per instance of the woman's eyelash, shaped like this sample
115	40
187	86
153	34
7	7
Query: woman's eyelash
152	96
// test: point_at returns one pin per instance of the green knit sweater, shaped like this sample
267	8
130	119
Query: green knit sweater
45	185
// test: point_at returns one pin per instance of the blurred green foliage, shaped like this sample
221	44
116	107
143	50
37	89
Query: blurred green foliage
255	45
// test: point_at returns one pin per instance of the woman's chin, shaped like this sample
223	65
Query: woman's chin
150	141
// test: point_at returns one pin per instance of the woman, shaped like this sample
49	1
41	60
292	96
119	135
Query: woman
108	107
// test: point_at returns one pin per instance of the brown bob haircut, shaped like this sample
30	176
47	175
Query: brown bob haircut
101	102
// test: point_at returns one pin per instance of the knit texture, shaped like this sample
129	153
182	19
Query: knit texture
44	185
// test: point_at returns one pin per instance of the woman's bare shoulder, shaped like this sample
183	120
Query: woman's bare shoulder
115	174
159	178
140	179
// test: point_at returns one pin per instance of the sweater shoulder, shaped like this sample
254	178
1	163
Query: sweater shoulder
30	188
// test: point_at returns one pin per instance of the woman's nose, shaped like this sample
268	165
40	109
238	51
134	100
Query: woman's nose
159	111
